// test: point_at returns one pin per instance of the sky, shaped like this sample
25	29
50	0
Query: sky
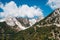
29	8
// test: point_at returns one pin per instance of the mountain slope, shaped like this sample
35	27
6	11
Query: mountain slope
52	19
46	29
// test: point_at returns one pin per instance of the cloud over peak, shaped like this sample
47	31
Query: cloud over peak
11	9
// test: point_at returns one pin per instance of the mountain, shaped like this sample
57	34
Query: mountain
51	19
15	24
46	29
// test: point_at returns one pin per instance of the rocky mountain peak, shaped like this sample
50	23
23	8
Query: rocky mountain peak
54	17
51	19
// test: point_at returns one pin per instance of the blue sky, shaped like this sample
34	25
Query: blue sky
39	3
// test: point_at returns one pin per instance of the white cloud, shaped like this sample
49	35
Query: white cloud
25	10
11	9
54	3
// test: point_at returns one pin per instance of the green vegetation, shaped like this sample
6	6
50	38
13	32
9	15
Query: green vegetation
42	33
32	33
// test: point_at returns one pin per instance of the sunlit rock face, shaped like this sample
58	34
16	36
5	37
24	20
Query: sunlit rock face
53	18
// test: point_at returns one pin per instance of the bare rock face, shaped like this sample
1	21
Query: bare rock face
24	21
52	19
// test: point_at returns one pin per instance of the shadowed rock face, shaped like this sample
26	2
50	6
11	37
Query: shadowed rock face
6	28
24	21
